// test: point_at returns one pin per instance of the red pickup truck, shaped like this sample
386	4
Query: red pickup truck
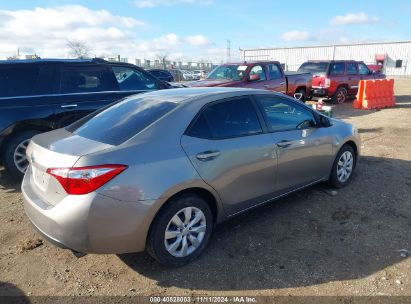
337	79
267	75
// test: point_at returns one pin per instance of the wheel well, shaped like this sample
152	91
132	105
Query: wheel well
343	86
203	193
19	128
301	88
354	147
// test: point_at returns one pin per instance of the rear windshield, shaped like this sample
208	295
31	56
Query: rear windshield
314	67
116	124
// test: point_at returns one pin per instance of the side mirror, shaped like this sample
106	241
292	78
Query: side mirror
254	77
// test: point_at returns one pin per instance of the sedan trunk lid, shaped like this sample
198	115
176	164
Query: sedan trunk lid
56	149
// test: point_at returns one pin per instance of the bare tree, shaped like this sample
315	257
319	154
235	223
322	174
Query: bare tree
78	49
163	59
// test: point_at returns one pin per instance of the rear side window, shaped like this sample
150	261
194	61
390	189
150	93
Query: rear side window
337	68
18	80
129	79
125	119
273	71
83	79
227	119
352	68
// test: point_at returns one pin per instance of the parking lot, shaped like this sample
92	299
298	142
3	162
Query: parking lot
354	241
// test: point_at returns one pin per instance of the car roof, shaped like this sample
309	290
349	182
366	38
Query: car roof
248	63
183	95
330	61
96	60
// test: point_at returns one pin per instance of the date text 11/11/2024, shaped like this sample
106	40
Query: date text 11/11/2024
203	299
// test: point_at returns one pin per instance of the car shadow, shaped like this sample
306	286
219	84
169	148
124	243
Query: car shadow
9	293
403	101
311	237
7	183
345	110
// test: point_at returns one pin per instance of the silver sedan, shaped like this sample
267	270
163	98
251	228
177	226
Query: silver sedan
158	170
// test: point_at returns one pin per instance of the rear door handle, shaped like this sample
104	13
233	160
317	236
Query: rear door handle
69	106
207	155
266	86
284	144
282	83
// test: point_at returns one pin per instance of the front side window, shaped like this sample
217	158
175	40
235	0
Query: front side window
337	68
132	79
258	70
83	79
273	71
232	118
363	69
283	115
228	72
352	68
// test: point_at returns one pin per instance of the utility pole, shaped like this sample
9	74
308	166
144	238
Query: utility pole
228	50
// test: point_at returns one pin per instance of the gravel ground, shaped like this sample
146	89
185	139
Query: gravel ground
354	241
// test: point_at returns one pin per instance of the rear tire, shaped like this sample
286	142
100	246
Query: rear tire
340	95
180	231
303	93
15	152
343	167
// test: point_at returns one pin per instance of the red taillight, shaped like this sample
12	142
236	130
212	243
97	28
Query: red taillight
83	180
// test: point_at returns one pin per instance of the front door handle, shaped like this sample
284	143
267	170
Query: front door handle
207	155
69	106
266	86
284	144
282	83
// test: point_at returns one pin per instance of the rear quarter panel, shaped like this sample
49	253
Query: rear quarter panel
335	82
298	80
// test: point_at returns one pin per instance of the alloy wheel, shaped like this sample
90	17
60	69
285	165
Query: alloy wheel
19	156
344	166
341	96
185	232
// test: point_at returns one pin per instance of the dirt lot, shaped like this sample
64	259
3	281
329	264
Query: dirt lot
355	241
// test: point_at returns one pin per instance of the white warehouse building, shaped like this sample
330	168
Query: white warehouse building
394	56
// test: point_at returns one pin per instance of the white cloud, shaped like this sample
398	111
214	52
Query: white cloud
198	40
353	18
297	36
47	30
154	3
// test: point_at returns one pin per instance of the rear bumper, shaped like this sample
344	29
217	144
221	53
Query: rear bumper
91	223
319	92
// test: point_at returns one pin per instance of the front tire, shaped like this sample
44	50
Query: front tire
180	231
15	153
343	167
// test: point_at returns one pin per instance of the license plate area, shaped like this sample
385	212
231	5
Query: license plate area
41	178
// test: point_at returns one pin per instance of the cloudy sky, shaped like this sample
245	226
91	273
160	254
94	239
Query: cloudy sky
194	29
